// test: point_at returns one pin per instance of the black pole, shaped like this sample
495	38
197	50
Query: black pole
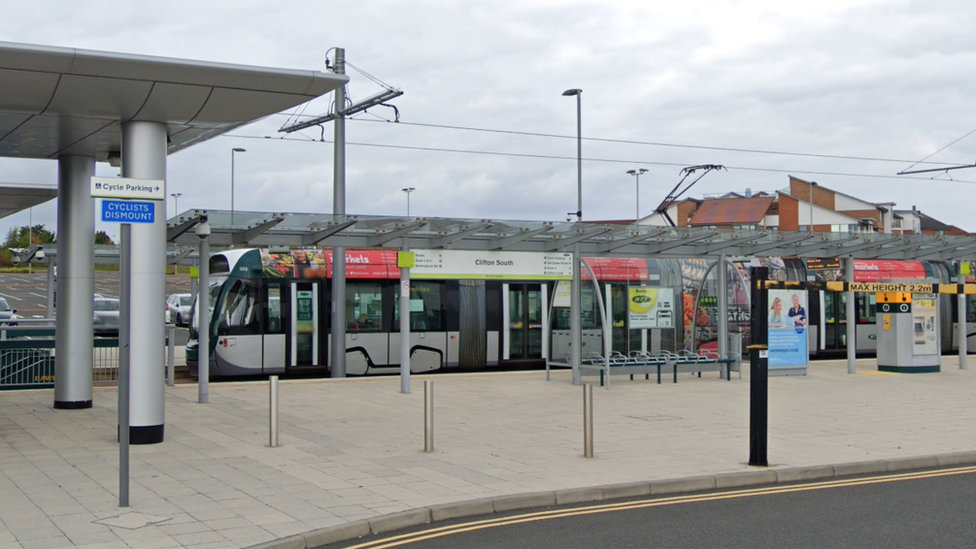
759	371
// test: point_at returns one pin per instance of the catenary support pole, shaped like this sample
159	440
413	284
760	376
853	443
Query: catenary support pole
851	318
759	368
339	211
575	306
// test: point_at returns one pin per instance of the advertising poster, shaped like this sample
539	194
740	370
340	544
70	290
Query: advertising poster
787	328
650	307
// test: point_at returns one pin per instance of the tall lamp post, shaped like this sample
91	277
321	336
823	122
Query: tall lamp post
408	190
176	203
232	153
576	341
637	173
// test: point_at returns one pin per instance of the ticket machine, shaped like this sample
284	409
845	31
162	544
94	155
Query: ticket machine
908	333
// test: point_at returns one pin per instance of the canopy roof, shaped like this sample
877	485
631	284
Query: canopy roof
66	101
18	197
302	229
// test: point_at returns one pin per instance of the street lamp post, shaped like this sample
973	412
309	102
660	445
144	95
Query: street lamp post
576	341
176	203
637	173
232	152
408	190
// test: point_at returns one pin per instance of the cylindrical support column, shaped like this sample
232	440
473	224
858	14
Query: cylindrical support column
851	318
575	306
76	283
405	329
273	413
203	324
144	157
723	308
961	320
428	416
588	420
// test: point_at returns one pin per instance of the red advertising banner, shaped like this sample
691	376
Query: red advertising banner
872	270
624	269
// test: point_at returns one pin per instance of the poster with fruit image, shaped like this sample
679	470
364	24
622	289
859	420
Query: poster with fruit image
650	307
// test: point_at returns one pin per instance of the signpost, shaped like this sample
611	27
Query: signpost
125	208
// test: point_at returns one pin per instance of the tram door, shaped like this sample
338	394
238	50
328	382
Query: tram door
835	320
304	341
525	322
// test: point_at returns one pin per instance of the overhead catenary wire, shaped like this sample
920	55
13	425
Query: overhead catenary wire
651	143
603	160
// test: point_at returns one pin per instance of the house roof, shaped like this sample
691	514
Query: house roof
732	211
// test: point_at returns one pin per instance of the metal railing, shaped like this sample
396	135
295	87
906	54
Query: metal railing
27	354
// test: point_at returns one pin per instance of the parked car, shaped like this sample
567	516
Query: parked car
7	315
106	316
179	305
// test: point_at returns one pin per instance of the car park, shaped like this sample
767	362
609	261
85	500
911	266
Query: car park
8	315
179	307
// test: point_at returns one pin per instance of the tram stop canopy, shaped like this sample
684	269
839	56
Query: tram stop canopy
80	107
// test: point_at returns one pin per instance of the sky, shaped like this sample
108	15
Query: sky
846	93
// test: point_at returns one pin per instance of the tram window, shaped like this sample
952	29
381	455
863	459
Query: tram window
364	307
273	310
590	312
238	315
865	308
427	307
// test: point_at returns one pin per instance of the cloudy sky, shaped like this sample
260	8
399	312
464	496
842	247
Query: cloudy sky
843	92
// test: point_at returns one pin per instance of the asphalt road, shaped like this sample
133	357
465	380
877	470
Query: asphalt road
928	509
28	292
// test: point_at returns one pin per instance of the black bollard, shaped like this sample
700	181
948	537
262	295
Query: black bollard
759	370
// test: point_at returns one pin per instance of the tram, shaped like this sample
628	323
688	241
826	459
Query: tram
271	311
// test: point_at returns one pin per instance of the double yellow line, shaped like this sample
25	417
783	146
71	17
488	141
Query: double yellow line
444	531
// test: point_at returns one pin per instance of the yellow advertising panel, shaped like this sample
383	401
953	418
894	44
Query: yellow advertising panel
650	307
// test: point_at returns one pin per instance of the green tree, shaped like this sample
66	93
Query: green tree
23	237
101	237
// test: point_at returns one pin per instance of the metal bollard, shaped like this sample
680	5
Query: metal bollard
170	354
428	416
273	425
588	420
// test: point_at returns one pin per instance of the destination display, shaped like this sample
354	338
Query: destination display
491	265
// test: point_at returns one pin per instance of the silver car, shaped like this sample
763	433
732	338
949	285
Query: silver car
7	316
106	318
179	308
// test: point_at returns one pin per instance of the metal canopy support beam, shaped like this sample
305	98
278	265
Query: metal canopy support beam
245	236
173	259
621	242
965	249
505	242
851	318
847	250
722	245
448	239
381	239
318	236
664	246
172	233
779	242
561	243
907	244
822	244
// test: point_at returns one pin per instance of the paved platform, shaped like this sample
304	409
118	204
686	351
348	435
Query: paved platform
351	453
